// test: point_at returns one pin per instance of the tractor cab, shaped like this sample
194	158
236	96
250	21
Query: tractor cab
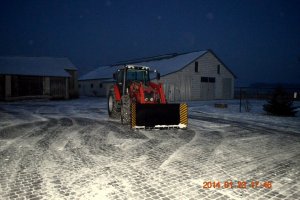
133	74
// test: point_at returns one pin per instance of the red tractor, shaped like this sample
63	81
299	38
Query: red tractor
142	103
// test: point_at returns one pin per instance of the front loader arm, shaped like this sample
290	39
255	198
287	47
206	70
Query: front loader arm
160	90
117	93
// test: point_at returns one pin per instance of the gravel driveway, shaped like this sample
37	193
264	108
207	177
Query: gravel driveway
71	150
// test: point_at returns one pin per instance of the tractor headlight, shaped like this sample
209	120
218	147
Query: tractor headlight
149	96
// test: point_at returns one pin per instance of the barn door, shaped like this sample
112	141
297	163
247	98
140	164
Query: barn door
203	91
171	92
166	90
57	87
207	88
26	86
211	90
227	88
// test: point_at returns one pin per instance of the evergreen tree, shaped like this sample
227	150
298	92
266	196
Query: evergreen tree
280	104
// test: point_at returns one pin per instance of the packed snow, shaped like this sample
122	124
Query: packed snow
256	115
72	150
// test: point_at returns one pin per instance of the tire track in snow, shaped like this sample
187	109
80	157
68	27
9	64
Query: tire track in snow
20	170
63	124
21	173
70	156
15	131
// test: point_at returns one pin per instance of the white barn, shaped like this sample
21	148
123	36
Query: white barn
96	82
199	75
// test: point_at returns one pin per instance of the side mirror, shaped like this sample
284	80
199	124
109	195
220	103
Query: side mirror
158	76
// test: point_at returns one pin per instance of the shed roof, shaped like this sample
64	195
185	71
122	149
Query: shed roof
36	66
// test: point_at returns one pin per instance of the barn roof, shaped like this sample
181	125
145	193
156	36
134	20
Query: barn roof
104	72
36	66
165	64
171	63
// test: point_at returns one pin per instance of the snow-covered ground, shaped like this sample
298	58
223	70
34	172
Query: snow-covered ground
256	114
72	150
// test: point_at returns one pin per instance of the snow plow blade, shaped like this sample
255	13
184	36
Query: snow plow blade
159	116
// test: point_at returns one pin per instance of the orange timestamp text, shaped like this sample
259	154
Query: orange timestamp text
236	184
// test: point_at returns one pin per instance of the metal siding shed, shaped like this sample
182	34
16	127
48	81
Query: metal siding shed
37	76
35	66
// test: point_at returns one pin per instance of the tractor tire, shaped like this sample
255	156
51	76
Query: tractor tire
125	110
112	105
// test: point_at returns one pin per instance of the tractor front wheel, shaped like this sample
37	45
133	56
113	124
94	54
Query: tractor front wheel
112	105
125	109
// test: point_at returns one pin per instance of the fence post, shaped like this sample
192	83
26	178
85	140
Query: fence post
240	99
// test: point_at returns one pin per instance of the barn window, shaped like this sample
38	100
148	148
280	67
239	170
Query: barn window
208	79
100	85
196	66
92	85
211	79
219	69
204	79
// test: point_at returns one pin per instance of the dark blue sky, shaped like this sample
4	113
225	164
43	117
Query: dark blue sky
259	40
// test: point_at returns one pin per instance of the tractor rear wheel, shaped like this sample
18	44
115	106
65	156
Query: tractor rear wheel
125	109
112	105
